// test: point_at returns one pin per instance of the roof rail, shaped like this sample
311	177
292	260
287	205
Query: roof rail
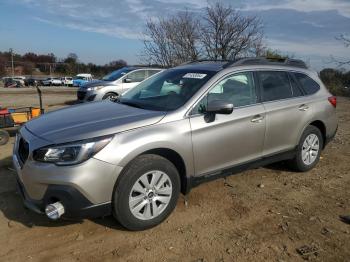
205	60
267	61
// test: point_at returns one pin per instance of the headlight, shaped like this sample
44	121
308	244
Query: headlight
94	88
72	153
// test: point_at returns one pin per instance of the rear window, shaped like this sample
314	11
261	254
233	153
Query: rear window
275	85
308	84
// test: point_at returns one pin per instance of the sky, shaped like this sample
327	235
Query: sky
100	31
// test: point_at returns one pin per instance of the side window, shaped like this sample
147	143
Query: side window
137	76
275	85
308	84
295	87
151	72
238	89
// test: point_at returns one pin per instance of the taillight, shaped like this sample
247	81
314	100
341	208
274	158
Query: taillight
333	100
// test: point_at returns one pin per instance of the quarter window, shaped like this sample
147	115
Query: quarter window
308	84
275	85
238	89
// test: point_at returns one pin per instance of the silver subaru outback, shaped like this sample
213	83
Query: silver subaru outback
184	126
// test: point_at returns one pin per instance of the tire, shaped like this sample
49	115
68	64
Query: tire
145	166
110	96
310	161
4	137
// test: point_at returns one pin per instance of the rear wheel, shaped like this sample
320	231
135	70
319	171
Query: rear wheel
308	150
4	137
146	192
110	96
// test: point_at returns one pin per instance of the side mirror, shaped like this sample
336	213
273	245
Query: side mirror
219	107
127	80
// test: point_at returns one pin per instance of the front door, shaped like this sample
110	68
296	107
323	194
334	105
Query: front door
231	139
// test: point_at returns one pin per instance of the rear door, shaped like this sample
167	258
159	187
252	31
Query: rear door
230	139
286	110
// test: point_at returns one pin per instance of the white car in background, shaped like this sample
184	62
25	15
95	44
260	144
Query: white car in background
114	84
67	81
81	79
52	81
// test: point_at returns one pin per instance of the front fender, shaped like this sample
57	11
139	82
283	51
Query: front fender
128	145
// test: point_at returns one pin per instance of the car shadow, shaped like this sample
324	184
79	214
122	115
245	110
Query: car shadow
279	166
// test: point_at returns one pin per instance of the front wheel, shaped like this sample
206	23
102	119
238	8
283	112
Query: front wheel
309	150
146	192
110	96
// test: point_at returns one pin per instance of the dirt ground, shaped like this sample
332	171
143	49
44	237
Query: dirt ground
265	214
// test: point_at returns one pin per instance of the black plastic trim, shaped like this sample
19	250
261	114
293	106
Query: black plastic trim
196	181
330	137
75	203
91	98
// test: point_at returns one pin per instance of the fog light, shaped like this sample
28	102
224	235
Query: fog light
54	211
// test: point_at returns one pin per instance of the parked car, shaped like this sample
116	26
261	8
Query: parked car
114	84
82	79
13	82
184	126
67	81
31	82
52	81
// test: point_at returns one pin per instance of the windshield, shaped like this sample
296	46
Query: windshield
79	78
116	74
167	90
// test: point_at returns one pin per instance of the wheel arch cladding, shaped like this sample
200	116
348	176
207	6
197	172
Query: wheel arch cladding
176	159
321	126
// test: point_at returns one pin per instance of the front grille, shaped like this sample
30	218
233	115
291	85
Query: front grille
81	95
23	150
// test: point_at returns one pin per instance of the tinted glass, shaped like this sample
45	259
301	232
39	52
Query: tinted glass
308	84
167	90
295	87
237	89
275	85
116	74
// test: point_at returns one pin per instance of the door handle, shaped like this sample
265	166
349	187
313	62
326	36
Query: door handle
303	107
257	119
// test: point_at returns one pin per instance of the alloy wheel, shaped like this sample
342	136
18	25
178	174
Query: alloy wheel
150	195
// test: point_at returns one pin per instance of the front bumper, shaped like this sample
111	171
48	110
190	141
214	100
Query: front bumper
85	190
75	204
85	96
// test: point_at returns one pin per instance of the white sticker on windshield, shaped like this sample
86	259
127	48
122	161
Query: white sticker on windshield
195	75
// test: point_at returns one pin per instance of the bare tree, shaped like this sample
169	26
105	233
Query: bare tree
172	41
222	33
227	34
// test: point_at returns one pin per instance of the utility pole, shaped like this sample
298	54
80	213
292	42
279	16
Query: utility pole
13	69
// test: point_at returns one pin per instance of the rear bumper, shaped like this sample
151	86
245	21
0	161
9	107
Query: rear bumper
75	204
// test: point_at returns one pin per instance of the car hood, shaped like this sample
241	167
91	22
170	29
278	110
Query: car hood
90	120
